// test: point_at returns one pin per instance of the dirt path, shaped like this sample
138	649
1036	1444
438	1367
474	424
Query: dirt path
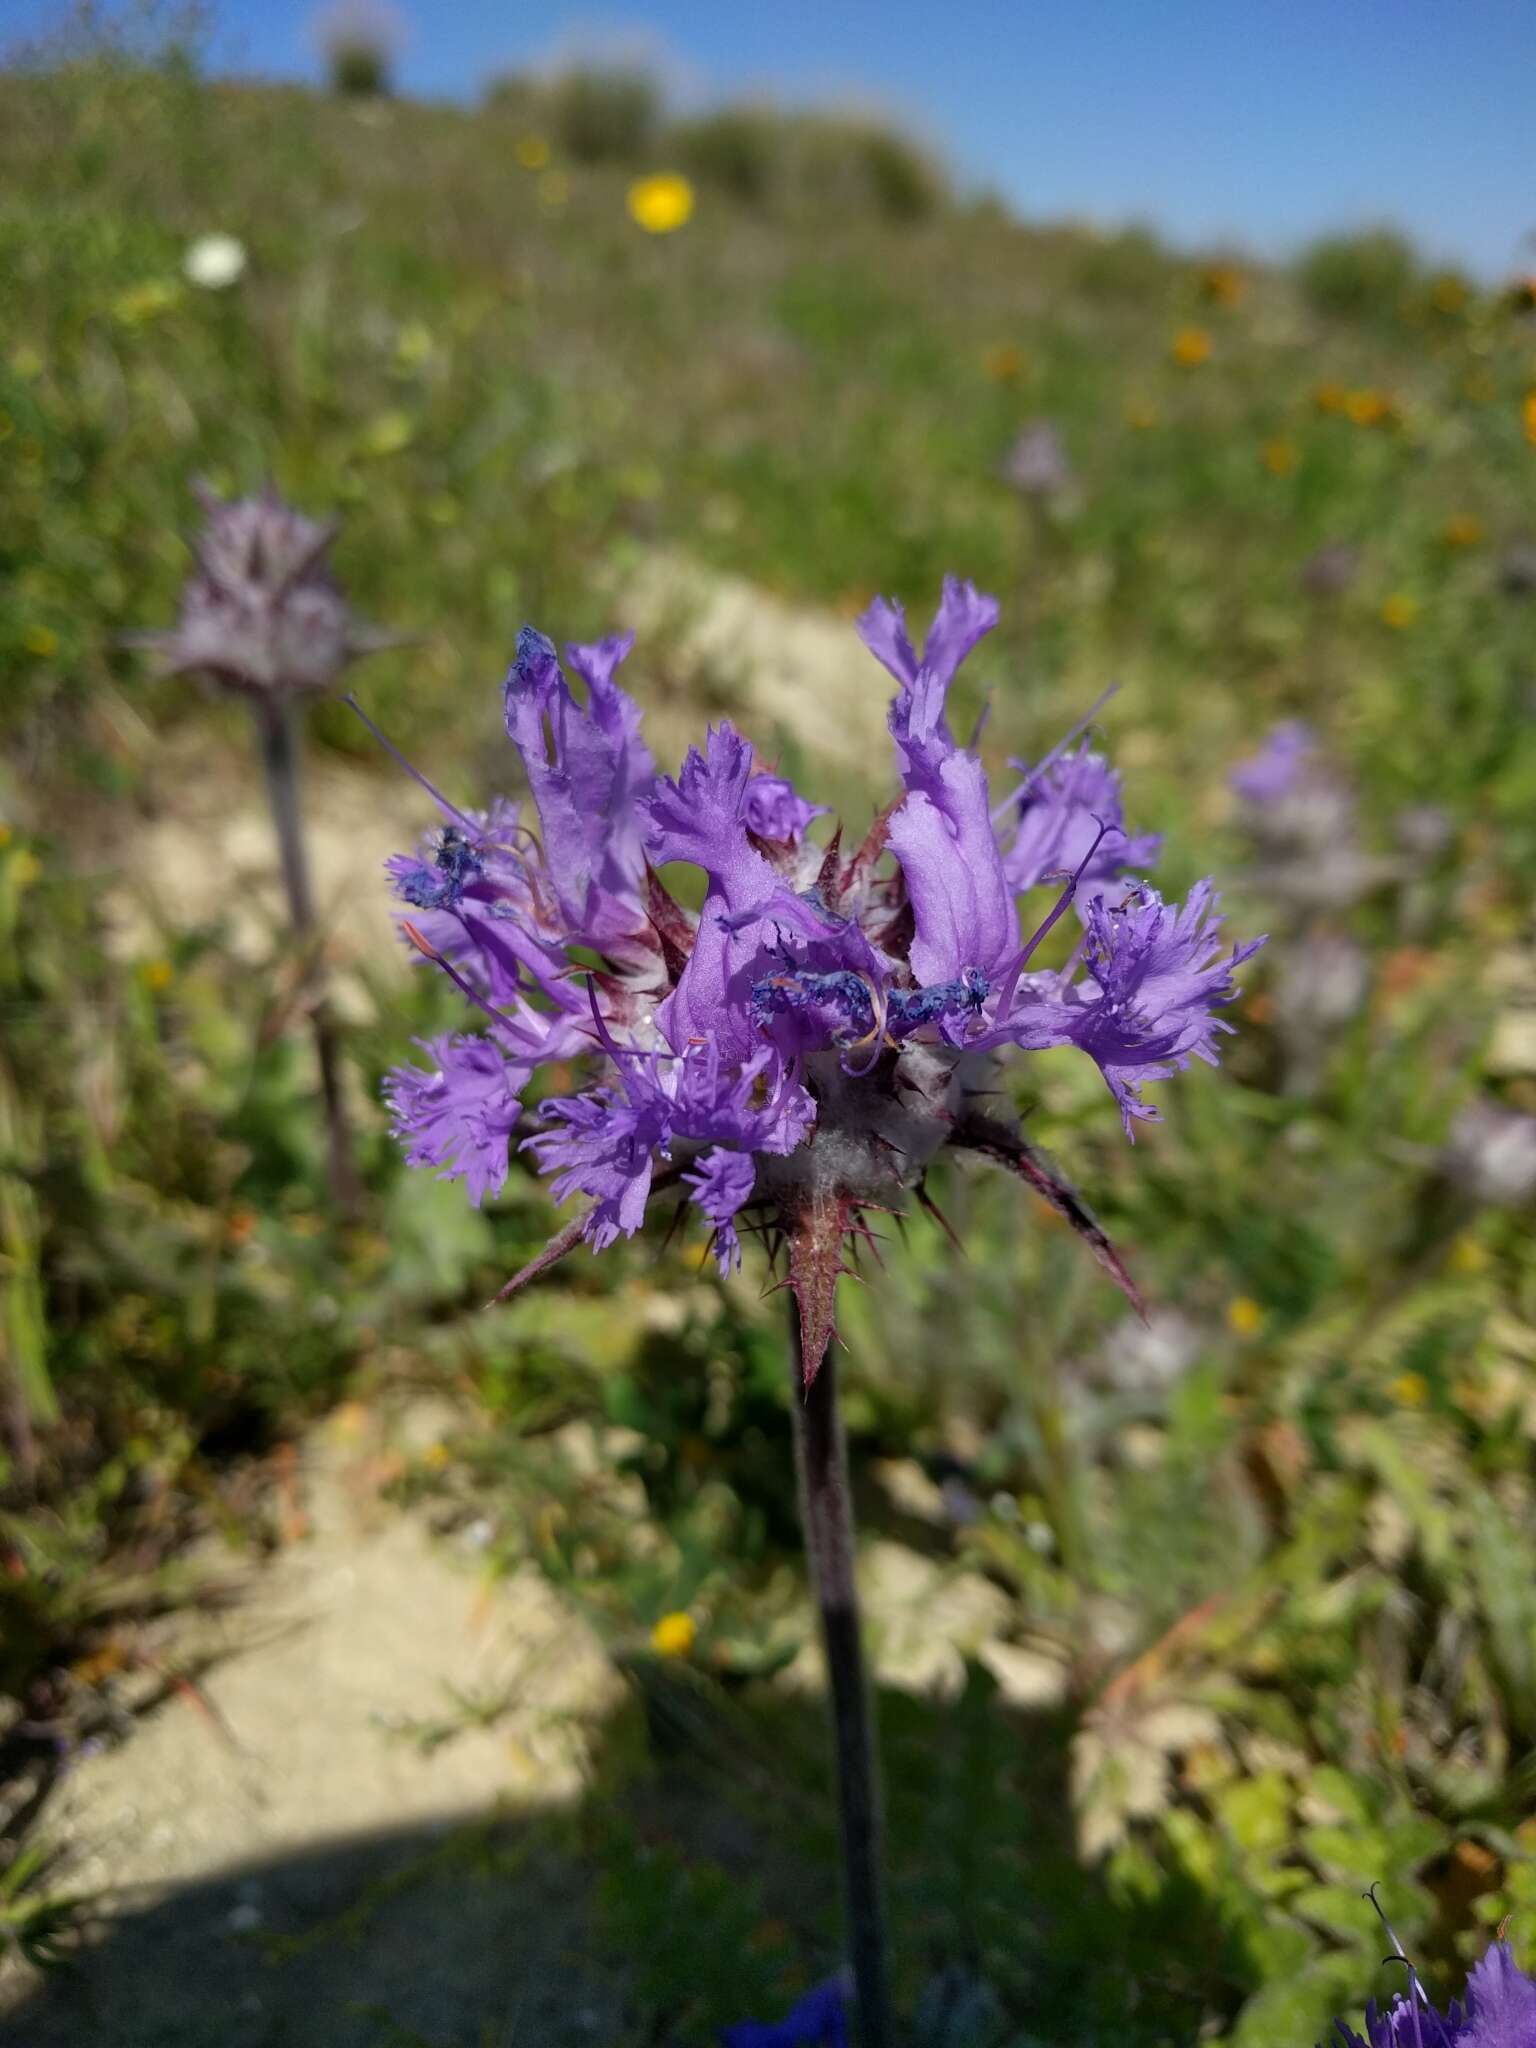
296	1792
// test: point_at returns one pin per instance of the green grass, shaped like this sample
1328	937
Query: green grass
1318	1542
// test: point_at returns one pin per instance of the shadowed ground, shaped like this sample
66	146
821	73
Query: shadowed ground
694	1884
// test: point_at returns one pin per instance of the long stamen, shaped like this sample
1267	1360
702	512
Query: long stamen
1002	809
875	1036
1418	1995
425	947
1011	973
415	773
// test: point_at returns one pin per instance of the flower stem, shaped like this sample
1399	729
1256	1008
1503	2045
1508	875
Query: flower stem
280	761
826	1508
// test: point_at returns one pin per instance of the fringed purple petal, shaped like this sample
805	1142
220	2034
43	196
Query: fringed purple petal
457	1115
722	1184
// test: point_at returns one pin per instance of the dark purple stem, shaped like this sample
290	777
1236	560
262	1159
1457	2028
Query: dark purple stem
280	760
826	1509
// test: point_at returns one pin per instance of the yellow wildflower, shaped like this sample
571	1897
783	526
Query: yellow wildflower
1410	1389
145	301
660	203
532	152
157	974
41	641
1369	409
1462	532
1468	1256
1223	284
1280	457
1528	415
1399	611
1330	397
436	1457
1244	1316
1191	347
414	344
1003	363
673	1635
388	433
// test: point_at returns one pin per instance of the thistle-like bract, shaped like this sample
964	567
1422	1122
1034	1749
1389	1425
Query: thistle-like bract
798	1052
261	612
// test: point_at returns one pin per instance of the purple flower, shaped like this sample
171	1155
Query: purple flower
1491	1155
819	2020
1331	570
774	810
1301	816
1155	976
1500	2012
1069	817
459	1113
963	912
1273	771
802	1047
1037	464
587	769
261	612
722	1186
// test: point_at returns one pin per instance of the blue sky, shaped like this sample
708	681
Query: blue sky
1262	123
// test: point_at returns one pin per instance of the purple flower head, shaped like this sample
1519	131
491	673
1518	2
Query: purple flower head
800	1049
1274	771
1154	978
1491	1155
1037	464
1500	2010
1301	817
1331	570
722	1186
819	2020
1069	816
774	810
261	612
459	1113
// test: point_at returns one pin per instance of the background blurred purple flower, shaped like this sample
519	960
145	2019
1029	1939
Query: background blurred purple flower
1491	1155
1331	570
261	611
1301	817
1037	464
1274	771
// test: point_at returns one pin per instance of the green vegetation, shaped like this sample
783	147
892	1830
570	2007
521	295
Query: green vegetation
1288	1576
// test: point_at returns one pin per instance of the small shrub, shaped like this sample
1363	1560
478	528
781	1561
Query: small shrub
1354	275
858	164
361	41
605	114
740	149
